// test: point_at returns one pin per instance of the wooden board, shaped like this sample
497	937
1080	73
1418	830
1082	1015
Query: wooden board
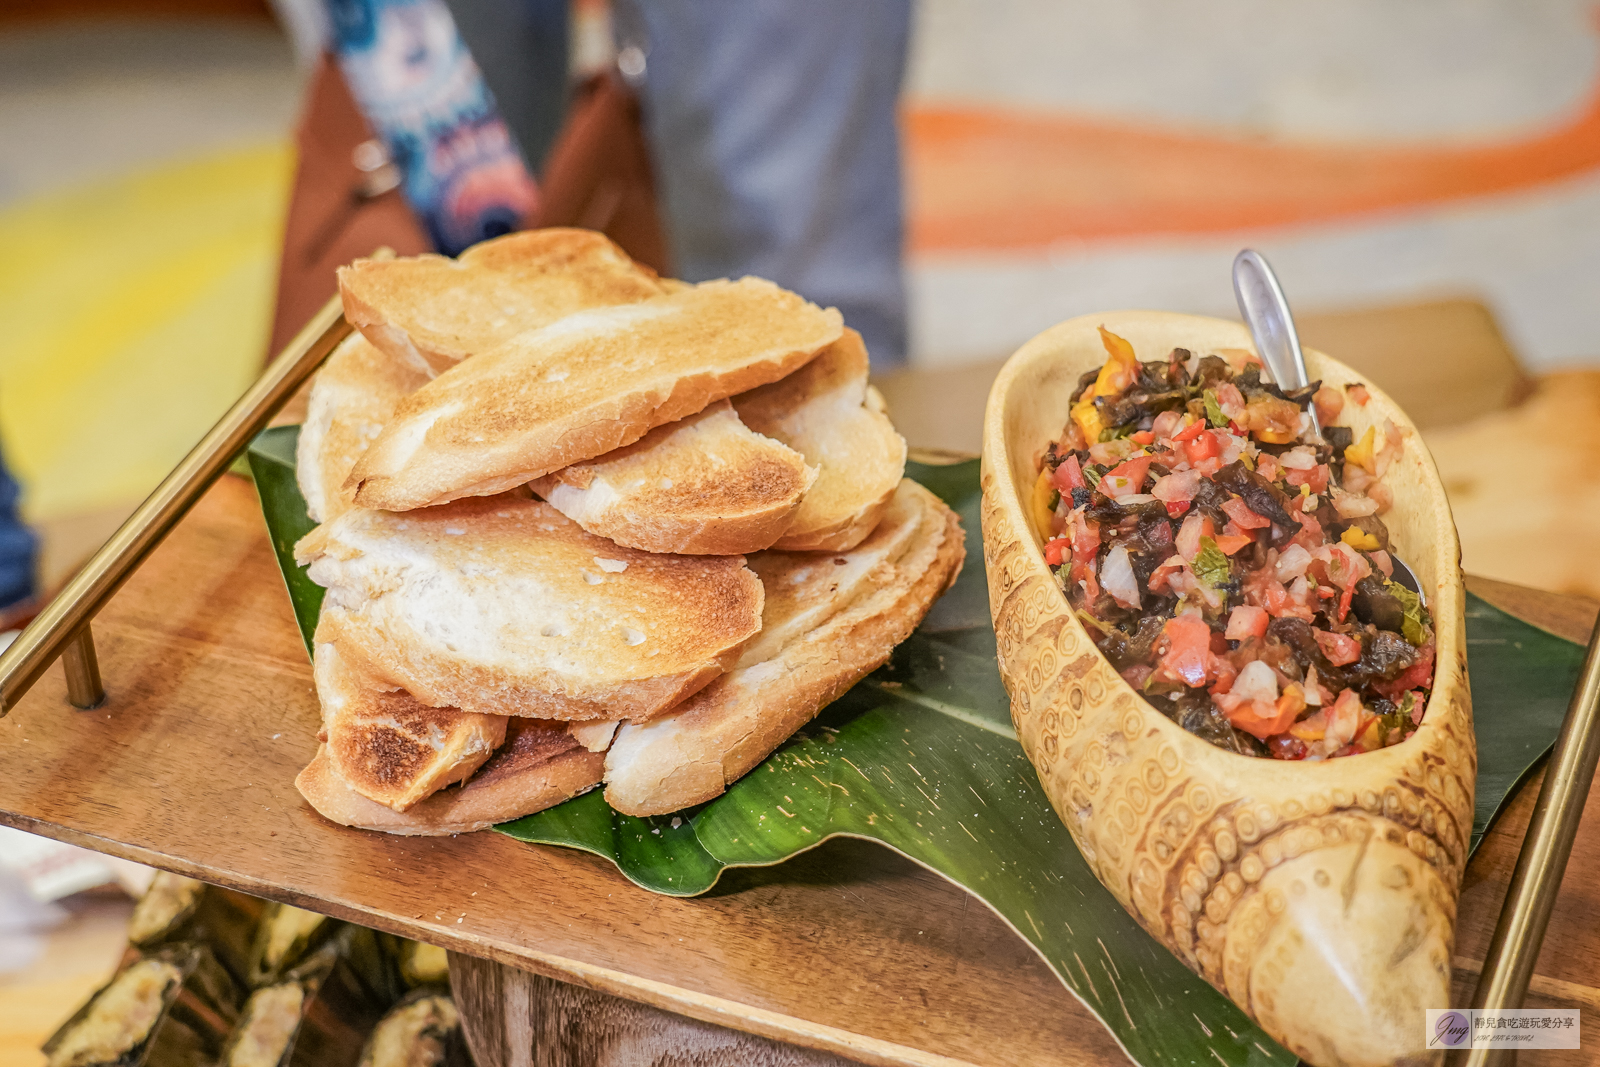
849	948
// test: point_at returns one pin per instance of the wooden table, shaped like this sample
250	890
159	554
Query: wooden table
850	949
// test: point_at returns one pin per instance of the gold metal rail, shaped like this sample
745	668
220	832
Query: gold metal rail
1543	860
63	626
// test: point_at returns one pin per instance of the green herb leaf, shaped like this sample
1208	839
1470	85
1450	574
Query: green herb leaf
1211	564
1415	628
1092	474
1214	409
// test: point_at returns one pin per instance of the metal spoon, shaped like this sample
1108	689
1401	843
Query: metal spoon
1265	310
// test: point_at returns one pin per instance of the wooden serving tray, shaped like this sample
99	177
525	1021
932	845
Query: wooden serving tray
189	766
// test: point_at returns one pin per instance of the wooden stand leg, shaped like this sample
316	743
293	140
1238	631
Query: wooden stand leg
515	1019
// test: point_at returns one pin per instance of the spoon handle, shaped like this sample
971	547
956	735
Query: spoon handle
1264	308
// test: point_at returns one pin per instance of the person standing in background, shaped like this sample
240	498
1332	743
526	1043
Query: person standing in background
773	133
19	552
460	168
771	129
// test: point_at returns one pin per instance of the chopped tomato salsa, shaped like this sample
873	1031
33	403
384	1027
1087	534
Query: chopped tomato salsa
1233	565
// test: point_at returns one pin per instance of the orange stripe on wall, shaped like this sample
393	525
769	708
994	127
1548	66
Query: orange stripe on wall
990	179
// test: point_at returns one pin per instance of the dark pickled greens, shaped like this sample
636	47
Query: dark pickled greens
1233	566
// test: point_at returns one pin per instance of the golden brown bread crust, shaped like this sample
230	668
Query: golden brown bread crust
540	765
828	413
704	485
429	312
505	606
352	396
692	754
389	747
591	383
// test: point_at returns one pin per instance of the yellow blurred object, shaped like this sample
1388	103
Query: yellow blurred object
1272	437
1361	453
1359	539
136	311
1044	491
1371	736
1120	371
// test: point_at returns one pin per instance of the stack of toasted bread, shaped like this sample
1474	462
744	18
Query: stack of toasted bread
581	525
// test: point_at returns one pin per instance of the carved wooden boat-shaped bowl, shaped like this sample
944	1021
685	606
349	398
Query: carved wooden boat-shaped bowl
1319	896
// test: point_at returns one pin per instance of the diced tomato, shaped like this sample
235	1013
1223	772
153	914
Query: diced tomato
1190	432
1231	401
1143	437
1231	543
1247	620
1417	676
1339	648
1204	446
1267	466
1227	674
1344	600
1085	538
1085	545
1055	551
1285	747
1134	470
1329	403
1261	719
1180	485
1188	657
1316	477
1344	718
1237	510
1166	423
1176	508
1069	475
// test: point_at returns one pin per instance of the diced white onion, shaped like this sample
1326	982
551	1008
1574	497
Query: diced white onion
1117	578
1292	563
1256	682
1298	459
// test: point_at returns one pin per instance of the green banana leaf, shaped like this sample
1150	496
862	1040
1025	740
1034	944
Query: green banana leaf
921	756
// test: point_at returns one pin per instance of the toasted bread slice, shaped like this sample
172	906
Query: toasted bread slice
430	313
828	413
539	765
505	606
590	383
704	485
352	396
390	748
826	625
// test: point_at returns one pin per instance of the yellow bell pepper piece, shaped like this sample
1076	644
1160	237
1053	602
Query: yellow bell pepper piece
1362	453
1359	539
1371	736
1087	416
1044	491
1121	369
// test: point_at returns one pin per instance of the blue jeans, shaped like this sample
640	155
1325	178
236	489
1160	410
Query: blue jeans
775	146
19	548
